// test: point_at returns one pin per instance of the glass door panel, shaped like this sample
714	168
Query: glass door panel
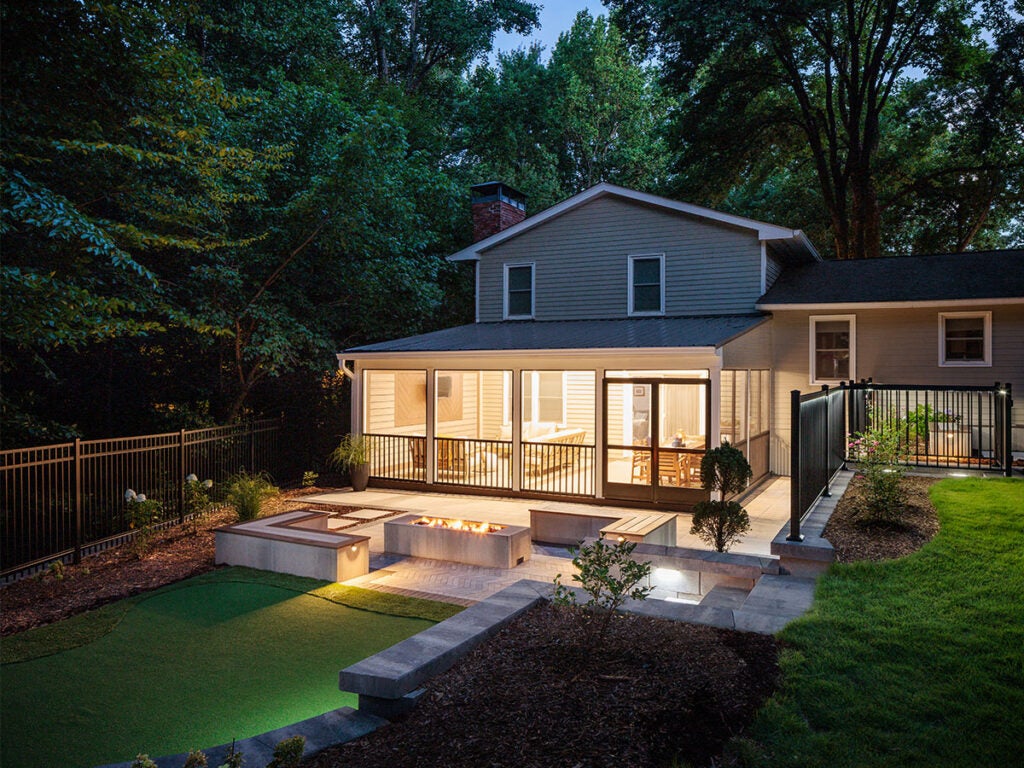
629	455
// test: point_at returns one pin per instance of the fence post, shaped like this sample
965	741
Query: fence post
828	441
795	512
78	501
1007	394
181	477
252	446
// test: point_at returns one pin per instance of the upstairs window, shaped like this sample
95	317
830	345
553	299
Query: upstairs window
647	284
833	348
965	338
519	291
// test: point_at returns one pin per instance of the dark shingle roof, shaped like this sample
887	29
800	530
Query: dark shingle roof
945	277
636	332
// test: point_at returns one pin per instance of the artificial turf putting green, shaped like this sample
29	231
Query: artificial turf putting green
224	656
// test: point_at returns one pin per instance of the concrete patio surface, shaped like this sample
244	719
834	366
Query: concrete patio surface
768	507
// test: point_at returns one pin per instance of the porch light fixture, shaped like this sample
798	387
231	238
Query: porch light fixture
620	539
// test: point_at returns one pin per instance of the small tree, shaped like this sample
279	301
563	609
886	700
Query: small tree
721	523
609	575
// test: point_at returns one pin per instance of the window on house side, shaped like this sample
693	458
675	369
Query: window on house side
544	396
832	348
519	291
646	285
965	338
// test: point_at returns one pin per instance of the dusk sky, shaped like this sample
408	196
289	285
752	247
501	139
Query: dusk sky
555	17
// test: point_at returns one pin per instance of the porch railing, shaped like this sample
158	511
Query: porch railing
561	468
398	457
68	499
478	463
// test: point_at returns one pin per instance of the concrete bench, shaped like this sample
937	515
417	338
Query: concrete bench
302	542
571	527
389	682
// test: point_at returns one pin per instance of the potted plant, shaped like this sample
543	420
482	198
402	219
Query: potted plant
353	455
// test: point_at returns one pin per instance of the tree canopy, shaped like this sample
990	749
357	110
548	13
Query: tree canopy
202	202
888	108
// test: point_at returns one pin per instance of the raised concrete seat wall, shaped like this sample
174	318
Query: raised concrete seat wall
384	680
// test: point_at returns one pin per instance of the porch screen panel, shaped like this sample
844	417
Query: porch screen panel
472	430
395	421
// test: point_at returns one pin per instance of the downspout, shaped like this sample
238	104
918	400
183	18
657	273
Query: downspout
347	372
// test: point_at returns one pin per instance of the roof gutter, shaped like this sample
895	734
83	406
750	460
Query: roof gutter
348	372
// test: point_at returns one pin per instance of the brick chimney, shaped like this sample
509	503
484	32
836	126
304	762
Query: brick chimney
496	207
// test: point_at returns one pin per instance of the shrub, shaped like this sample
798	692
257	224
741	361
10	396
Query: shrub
880	452
288	753
247	493
608	575
725	469
196	759
143	515
719	524
309	479
143	761
197	499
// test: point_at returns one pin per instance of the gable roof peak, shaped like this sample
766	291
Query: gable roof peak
765	232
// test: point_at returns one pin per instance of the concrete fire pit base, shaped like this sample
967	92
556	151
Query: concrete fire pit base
301	543
505	548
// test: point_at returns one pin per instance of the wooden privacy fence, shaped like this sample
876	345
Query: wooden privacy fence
60	500
946	427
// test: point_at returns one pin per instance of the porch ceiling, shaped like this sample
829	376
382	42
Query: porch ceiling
633	333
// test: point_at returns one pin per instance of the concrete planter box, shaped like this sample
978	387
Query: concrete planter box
505	548
301	543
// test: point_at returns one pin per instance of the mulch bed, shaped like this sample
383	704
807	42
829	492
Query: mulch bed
856	539
536	695
174	554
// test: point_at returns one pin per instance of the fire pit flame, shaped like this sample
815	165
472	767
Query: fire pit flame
457	525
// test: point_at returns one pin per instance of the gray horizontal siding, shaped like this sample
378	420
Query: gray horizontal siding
899	346
581	263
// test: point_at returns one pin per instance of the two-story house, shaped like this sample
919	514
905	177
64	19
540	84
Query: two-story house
619	334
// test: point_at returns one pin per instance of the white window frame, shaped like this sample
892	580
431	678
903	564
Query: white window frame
533	291
534	413
987	361
813	345
632	258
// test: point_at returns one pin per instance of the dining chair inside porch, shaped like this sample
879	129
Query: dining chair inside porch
451	458
671	468
641	467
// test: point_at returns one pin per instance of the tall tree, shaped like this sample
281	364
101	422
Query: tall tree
404	41
827	69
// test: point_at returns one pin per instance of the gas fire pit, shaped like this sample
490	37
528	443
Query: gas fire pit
458	541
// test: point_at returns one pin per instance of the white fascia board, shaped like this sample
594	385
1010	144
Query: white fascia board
764	231
830	307
517	353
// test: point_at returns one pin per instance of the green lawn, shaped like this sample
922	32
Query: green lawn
226	655
915	662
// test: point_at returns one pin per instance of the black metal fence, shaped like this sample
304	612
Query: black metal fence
818	449
954	427
477	463
949	427
398	457
61	500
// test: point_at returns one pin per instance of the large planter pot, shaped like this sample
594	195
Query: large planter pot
360	475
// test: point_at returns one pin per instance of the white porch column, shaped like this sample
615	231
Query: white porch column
517	426
599	406
431	463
